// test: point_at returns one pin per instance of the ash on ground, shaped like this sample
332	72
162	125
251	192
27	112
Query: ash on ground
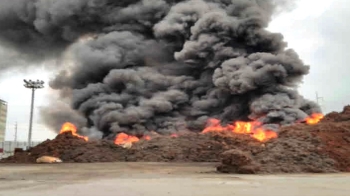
300	148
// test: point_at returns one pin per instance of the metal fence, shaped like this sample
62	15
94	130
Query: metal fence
7	148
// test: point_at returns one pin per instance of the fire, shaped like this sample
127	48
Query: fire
314	119
263	135
240	127
123	138
174	135
146	137
69	127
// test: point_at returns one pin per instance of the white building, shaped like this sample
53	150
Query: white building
3	119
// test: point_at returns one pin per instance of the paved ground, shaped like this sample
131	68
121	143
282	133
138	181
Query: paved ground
158	179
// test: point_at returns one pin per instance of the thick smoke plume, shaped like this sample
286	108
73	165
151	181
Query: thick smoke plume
160	65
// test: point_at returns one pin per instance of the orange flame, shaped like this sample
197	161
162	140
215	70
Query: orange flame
214	125
146	137
123	138
69	127
314	118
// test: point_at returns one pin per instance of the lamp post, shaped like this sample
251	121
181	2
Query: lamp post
32	85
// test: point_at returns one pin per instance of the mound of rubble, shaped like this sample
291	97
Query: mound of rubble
300	148
185	148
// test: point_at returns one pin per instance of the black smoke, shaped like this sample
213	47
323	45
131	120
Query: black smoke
160	65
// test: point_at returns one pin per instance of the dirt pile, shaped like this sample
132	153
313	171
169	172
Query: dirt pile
185	148
338	116
237	161
324	147
70	149
301	148
298	149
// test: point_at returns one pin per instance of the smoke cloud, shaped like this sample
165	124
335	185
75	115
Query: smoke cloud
160	65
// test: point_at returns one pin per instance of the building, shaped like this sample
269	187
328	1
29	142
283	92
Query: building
3	118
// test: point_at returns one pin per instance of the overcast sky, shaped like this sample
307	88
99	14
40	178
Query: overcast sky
317	30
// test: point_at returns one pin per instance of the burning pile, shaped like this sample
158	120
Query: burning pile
120	139
189	147
321	147
253	129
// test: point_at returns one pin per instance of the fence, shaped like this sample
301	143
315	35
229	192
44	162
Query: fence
7	148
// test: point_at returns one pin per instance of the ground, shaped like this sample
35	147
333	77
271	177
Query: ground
158	179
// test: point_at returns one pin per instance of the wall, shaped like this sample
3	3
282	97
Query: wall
8	147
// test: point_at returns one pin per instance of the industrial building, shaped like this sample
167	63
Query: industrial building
3	118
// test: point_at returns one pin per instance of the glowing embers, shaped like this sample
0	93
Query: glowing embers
123	138
250	128
314	118
174	135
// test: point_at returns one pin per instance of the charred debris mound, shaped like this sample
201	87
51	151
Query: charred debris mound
300	148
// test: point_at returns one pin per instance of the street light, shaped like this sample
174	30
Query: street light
38	84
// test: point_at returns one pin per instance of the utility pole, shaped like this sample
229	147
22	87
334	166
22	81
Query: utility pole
16	134
318	98
33	85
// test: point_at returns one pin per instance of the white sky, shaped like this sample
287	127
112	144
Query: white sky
317	30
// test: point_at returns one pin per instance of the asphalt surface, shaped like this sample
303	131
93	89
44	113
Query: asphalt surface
159	179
